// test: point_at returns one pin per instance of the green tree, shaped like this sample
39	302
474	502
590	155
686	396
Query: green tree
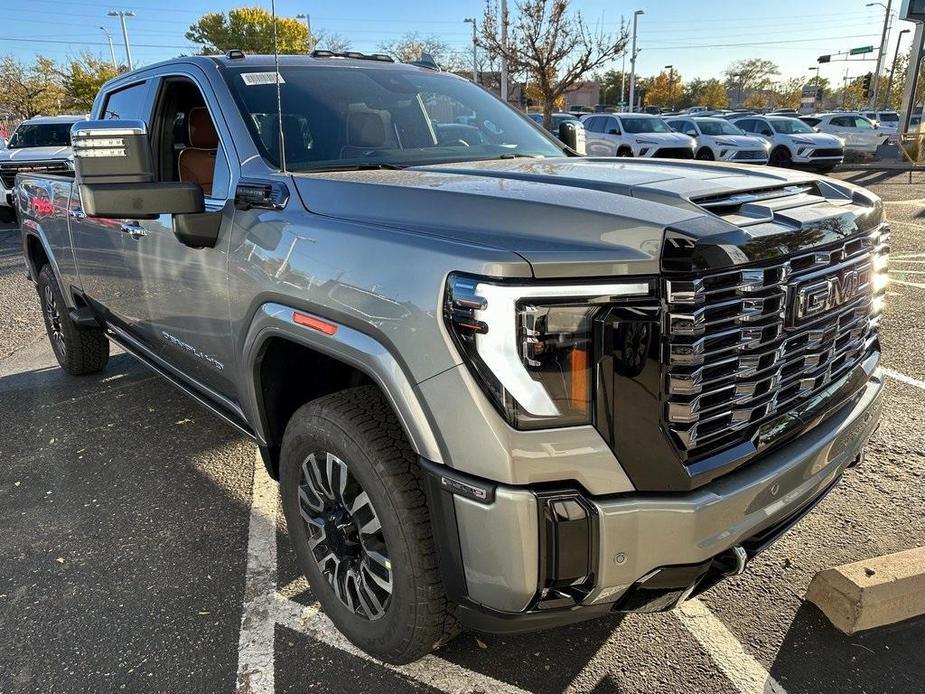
30	90
713	95
82	79
751	75
550	44
612	81
249	29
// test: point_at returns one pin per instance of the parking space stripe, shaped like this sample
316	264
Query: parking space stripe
264	607
903	378
745	673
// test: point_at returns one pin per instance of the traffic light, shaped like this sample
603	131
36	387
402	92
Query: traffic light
866	84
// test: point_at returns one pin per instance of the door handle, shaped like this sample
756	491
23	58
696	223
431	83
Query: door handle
136	231
77	213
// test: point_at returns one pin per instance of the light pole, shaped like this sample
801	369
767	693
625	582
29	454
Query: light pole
739	76
308	28
623	71
122	14
886	28
815	86
633	62
112	50
475	60
889	86
504	75
670	69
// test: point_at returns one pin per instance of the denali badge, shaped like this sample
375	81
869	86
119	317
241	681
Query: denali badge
813	298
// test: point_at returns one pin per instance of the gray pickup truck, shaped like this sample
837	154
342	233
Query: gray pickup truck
502	386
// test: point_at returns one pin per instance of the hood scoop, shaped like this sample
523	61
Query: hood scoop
750	207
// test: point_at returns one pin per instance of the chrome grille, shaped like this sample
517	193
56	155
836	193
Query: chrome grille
736	352
8	171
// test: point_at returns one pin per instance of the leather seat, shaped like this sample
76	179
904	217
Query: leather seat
365	131
197	161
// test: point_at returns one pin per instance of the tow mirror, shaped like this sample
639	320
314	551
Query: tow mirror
572	134
115	174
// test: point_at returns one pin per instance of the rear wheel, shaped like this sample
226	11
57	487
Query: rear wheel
705	154
780	157
624	152
78	350
359	524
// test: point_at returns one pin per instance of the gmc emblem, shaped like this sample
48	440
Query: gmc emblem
813	298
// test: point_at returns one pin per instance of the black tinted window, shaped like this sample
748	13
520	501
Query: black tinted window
41	135
129	103
595	124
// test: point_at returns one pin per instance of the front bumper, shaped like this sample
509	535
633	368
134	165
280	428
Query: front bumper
644	551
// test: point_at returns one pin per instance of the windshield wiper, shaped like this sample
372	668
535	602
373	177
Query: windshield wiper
366	166
518	155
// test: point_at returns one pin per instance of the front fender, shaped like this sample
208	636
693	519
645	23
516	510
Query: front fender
349	346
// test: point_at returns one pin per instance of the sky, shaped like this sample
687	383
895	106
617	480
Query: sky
700	38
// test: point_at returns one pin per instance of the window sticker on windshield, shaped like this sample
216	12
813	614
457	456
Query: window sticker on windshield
254	78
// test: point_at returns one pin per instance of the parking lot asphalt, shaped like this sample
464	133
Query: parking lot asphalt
140	549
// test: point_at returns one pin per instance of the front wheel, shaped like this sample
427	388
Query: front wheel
780	157
705	154
359	524
78	350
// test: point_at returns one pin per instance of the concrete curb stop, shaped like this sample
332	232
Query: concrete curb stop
871	593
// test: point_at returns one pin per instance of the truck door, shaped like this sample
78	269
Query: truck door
99	243
181	309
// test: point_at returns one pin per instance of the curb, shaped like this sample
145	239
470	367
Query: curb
872	593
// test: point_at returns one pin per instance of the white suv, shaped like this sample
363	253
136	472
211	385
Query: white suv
718	139
859	133
793	142
887	120
634	135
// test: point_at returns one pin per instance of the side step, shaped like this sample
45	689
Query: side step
84	318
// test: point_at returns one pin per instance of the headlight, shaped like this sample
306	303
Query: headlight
726	143
645	142
801	141
531	347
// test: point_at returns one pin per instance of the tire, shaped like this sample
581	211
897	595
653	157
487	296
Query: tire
364	450
79	351
7	214
705	154
825	168
780	157
624	152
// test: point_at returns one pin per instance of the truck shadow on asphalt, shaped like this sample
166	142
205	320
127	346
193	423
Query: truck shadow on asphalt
817	658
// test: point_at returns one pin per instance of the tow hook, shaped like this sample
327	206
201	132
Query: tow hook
732	562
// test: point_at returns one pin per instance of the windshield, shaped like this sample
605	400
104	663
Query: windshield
789	126
340	117
41	135
718	127
644	125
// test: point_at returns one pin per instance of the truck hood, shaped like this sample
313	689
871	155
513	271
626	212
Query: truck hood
35	153
566	217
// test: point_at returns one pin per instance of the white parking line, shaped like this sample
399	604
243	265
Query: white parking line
903	378
264	608
746	673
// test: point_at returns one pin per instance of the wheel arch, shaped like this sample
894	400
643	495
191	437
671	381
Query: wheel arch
286	365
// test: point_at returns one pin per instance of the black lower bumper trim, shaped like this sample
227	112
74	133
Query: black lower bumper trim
483	619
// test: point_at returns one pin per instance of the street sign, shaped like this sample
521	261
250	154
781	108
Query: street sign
861	50
823	58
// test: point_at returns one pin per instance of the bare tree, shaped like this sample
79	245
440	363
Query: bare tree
409	48
329	41
551	45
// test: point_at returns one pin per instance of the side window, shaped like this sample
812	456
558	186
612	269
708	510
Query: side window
863	124
593	124
811	122
843	122
746	124
690	129
185	140
763	128
613	125
129	103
